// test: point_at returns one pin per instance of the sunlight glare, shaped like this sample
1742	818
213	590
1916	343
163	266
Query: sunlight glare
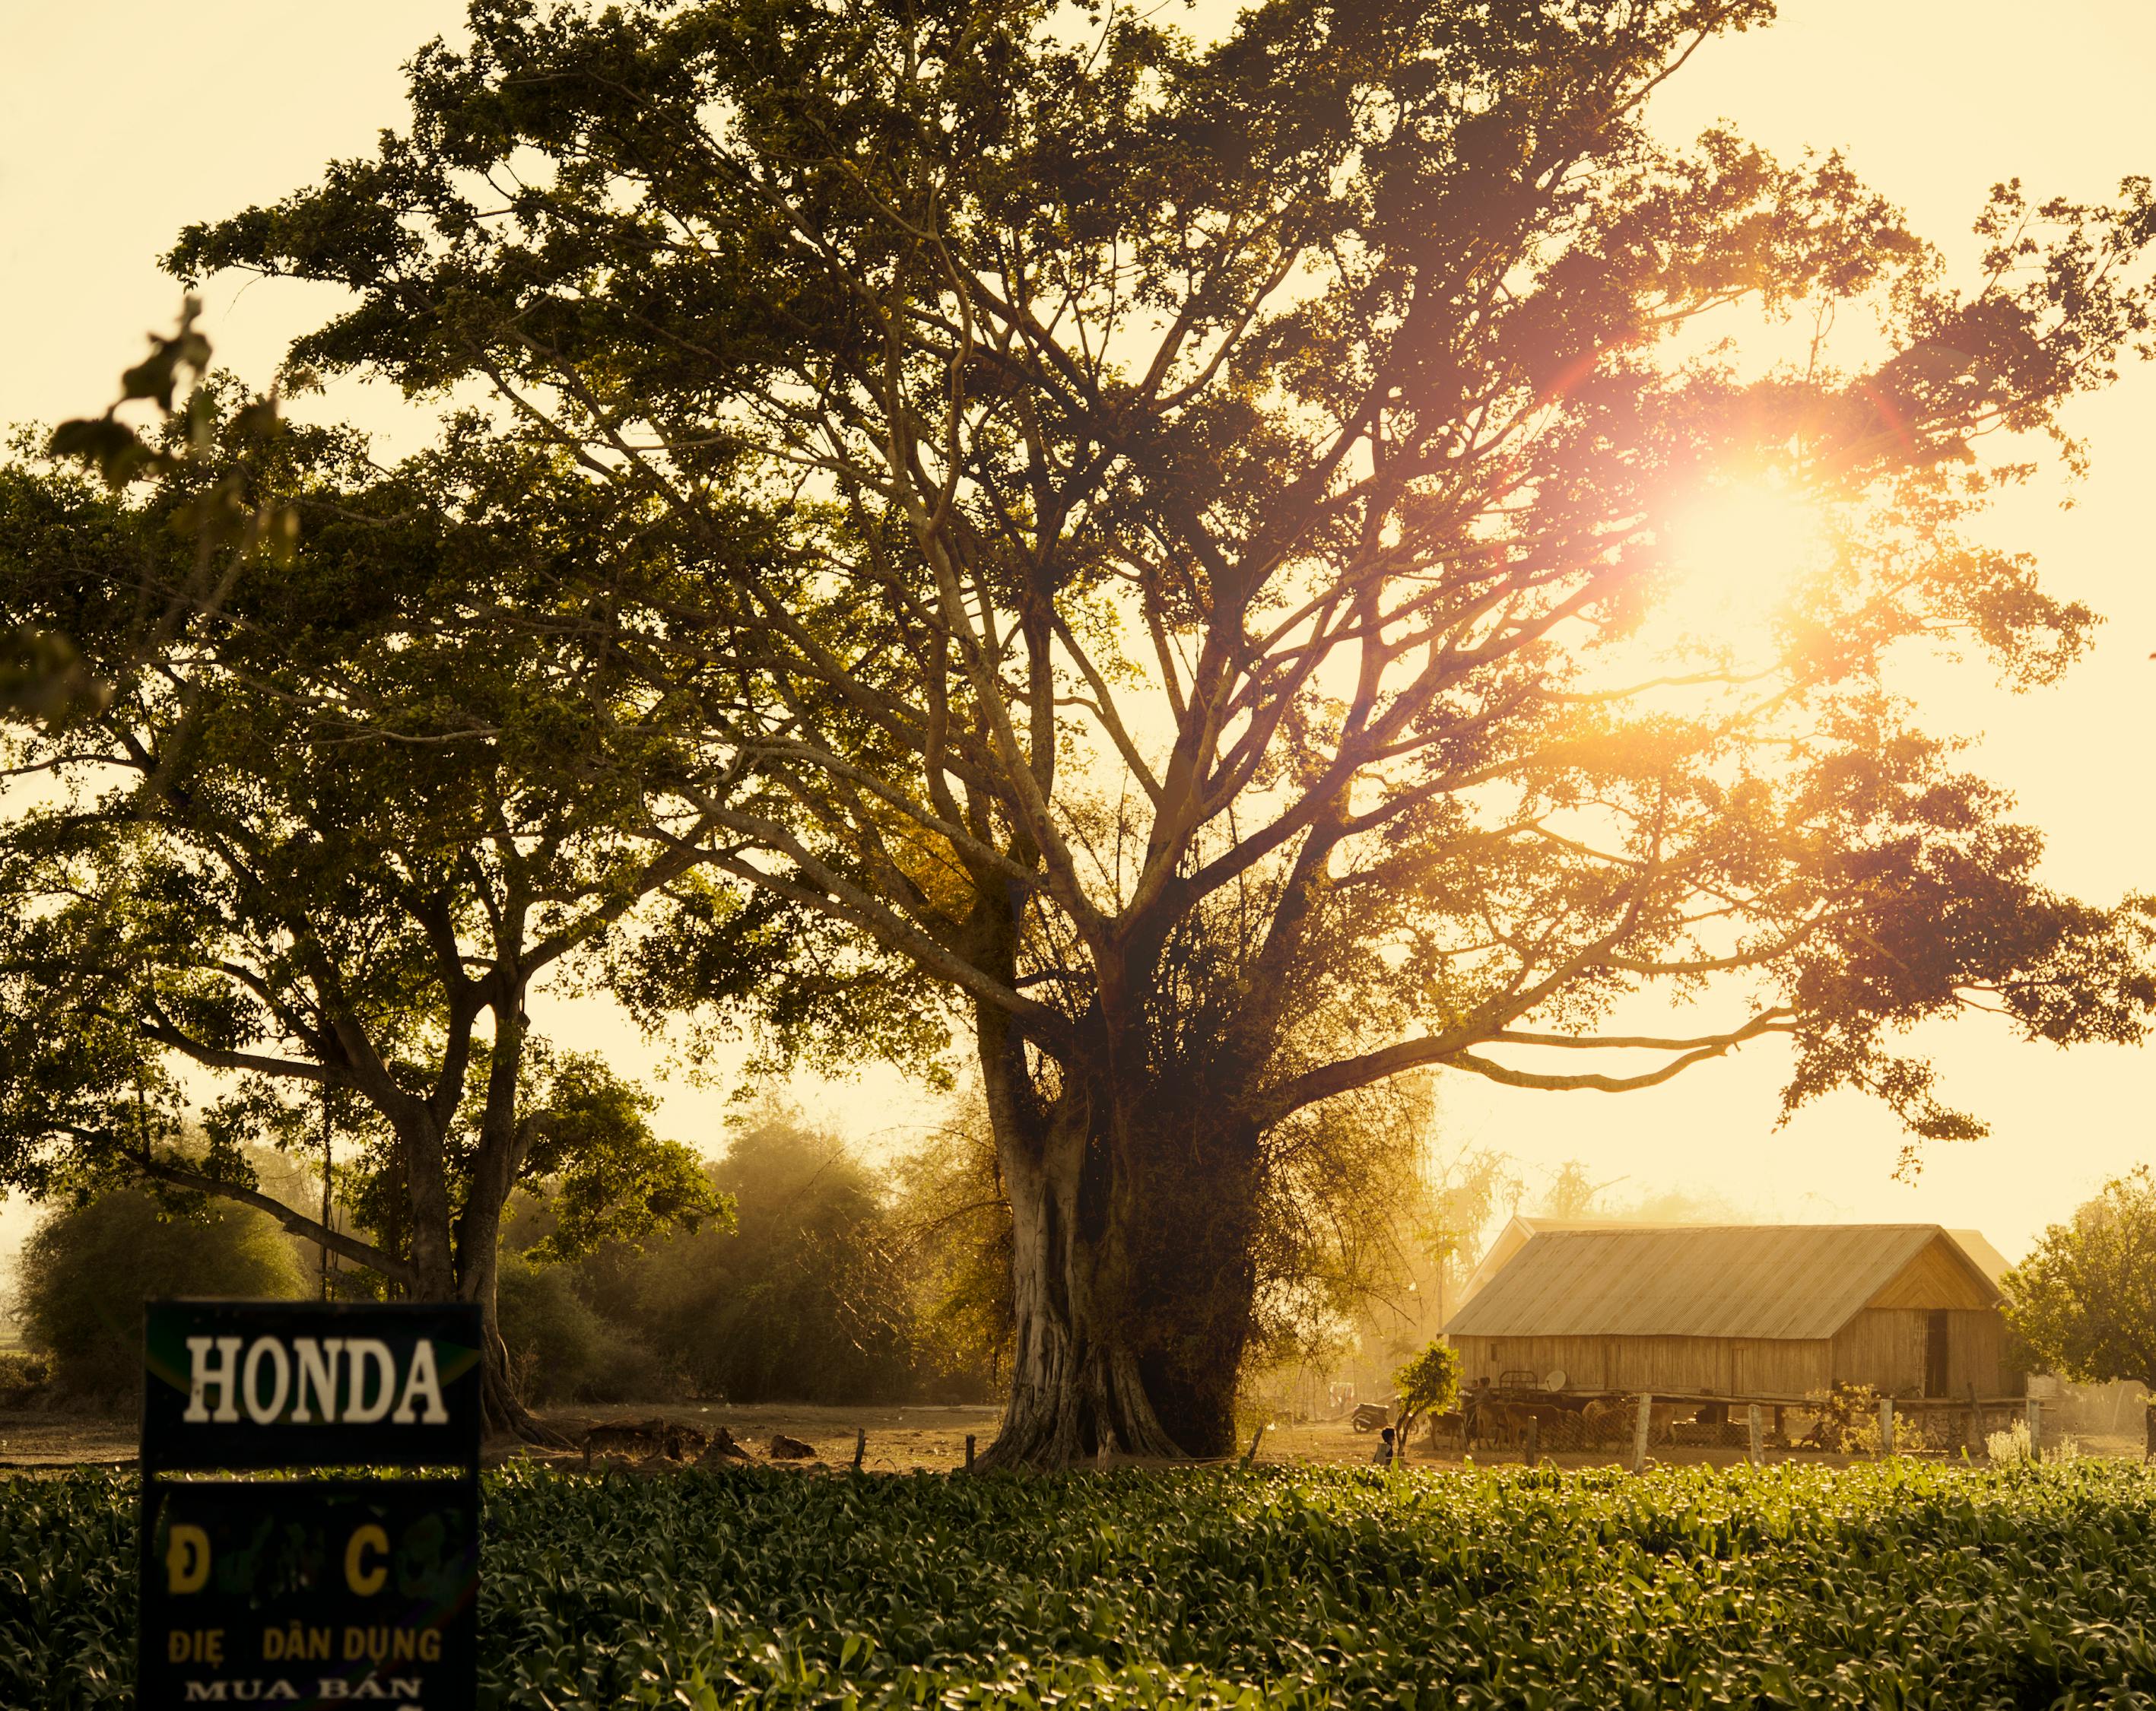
1739	553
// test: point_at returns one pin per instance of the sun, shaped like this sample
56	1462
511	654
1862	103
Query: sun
1738	552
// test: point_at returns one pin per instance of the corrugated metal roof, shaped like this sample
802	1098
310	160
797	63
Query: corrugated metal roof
1754	1280
1514	1236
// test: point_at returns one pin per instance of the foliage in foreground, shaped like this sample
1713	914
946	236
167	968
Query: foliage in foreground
1897	1584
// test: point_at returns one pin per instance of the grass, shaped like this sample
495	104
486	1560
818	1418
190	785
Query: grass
1896	1585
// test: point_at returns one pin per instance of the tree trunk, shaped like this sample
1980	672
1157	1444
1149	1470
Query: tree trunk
1076	1386
502	1411
504	1141
431	1249
1131	1276
1189	1211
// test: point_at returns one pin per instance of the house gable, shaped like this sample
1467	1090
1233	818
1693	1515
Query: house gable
1943	1277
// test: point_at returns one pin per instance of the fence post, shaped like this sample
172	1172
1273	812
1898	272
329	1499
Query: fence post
1758	1434
1886	1425
969	1453
1975	1426
1534	1438
2035	1427
1639	1433
861	1446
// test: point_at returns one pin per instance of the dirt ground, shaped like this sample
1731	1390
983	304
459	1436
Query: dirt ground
904	1439
55	1440
899	1440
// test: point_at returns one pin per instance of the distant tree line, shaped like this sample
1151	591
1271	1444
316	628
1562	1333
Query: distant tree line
824	1276
834	1281
81	1279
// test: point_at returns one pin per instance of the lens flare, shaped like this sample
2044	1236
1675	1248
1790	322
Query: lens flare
1740	552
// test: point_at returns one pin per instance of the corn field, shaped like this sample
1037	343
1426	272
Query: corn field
1899	1585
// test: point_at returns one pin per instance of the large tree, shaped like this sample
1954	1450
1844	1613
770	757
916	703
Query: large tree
301	862
1219	618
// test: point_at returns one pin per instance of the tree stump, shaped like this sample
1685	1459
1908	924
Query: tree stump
723	1449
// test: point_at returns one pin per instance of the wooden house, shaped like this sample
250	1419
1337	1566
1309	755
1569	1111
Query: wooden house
1760	1312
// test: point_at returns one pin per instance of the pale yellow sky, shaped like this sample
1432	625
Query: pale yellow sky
121	119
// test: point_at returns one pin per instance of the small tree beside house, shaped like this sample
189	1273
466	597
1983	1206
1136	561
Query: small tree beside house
2084	1302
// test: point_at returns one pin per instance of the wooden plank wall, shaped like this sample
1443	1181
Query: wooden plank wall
1881	1346
1667	1366
1884	1347
1976	1354
1779	1369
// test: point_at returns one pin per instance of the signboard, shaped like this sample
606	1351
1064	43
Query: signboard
310	1592
284	1384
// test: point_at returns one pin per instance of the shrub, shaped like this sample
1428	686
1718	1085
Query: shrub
560	1350
2012	1446
23	1376
87	1269
805	1299
1429	1384
1846	1419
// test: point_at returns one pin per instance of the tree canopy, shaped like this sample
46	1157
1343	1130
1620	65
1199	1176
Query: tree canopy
299	864
1177	543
